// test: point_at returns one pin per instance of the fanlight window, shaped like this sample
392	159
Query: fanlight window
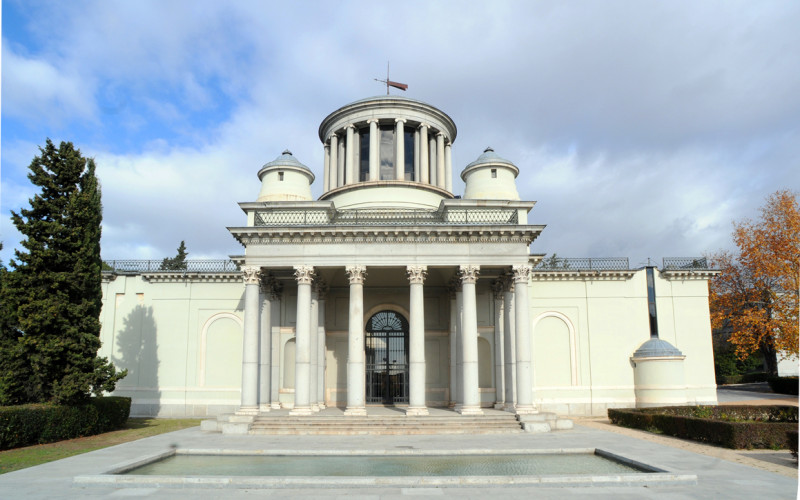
387	321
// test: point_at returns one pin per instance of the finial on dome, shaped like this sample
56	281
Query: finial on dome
287	152
488	148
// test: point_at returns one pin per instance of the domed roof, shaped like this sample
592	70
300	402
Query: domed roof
285	160
489	156
656	348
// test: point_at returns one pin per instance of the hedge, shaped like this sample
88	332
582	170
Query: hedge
783	385
742	378
792	437
734	427
31	424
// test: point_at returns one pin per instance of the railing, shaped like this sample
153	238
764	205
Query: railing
685	263
374	217
583	264
147	266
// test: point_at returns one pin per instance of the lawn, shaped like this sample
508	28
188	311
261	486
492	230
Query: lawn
135	428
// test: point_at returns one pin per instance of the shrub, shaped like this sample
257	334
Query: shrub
26	425
784	385
791	436
730	426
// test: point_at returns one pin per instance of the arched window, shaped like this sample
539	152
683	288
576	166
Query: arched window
386	348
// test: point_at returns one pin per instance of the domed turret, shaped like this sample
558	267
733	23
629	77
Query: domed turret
285	179
490	177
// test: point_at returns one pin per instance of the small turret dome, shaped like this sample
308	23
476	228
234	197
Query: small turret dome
656	348
285	179
490	177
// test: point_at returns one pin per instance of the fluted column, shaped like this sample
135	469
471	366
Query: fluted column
400	149
522	312
313	349
459	347
416	341
250	349
326	170
453	345
302	401
265	346
469	329
349	166
509	344
374	151
448	166
336	177
499	333
424	169
355	340
322	291
440	176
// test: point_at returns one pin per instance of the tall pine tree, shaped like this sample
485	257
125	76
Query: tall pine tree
55	282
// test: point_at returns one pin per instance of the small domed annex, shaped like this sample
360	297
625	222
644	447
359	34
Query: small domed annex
490	177
285	179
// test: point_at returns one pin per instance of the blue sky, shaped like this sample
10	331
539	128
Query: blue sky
641	128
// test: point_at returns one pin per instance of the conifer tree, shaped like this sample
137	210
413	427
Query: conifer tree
54	284
177	263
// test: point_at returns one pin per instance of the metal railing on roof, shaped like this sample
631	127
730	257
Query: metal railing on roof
149	266
583	264
384	217
685	263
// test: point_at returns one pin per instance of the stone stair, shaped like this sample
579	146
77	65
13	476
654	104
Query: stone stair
386	425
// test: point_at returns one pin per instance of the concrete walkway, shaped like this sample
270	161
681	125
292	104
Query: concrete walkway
720	472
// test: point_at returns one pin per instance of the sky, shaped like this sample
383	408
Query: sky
642	129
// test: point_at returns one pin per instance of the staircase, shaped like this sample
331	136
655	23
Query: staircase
496	423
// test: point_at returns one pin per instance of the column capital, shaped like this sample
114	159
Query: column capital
372	120
350	125
321	287
398	120
521	273
251	275
440	134
333	134
356	274
499	287
424	125
304	274
469	274
327	145
416	274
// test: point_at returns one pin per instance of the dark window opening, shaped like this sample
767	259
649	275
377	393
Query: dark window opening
651	302
280	176
494	173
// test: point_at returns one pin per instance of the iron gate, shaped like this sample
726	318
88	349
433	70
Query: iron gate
386	347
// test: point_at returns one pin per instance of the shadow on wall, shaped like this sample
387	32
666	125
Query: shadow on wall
137	349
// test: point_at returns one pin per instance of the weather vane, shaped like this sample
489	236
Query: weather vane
389	83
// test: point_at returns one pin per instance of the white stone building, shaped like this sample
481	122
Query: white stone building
391	290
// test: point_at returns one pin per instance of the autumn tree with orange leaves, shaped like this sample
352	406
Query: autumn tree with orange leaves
756	292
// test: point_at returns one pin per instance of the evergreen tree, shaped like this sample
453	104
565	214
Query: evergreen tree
177	263
55	283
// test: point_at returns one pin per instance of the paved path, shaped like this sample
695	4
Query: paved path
721	473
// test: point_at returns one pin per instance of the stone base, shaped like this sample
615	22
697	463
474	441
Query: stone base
543	422
263	408
510	407
355	412
525	410
322	406
315	408
275	405
247	410
416	411
301	411
470	410
210	425
499	406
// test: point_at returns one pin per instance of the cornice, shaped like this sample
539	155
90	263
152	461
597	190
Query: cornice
688	274
182	277
581	275
258	235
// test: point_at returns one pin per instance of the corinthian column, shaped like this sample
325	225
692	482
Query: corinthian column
252	276
313	349
400	150
499	333
509	345
322	290
326	171
265	345
522	311
448	167
302	401
374	152
416	342
355	341
472	402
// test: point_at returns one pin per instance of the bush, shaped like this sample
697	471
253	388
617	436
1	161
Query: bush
784	385
734	427
791	436
26	425
743	378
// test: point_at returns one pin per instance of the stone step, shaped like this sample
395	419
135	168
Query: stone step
377	430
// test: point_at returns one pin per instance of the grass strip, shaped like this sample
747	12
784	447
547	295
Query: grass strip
135	428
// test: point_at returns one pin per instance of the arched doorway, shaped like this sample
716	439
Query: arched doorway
386	348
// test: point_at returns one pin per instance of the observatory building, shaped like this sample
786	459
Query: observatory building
391	289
